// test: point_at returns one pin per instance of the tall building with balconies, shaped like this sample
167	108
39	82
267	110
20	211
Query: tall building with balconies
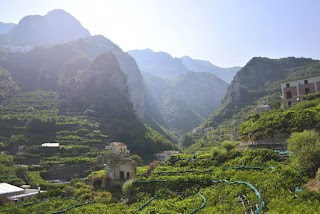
293	90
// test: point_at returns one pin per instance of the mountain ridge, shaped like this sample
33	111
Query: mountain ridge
55	27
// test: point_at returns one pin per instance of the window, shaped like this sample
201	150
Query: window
307	90
128	175
289	104
306	82
288	85
289	95
121	174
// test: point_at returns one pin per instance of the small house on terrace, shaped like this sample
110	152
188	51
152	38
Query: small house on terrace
165	155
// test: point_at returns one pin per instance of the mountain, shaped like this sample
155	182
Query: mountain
258	82
6	27
184	103
160	64
196	65
55	27
45	67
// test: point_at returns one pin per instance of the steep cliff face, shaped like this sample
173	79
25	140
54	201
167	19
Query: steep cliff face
101	88
55	27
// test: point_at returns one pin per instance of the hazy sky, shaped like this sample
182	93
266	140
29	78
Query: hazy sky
225	32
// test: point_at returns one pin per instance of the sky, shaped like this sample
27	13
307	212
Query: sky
225	32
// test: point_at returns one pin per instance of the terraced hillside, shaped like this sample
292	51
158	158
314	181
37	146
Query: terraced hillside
224	181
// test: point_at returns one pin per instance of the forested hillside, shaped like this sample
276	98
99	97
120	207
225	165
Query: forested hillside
258	82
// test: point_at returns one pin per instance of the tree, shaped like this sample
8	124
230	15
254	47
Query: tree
137	159
8	86
305	148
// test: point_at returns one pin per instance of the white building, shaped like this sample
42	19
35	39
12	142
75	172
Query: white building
263	108
51	145
16	194
118	148
165	155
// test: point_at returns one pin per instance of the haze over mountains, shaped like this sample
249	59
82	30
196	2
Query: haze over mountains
164	65
176	96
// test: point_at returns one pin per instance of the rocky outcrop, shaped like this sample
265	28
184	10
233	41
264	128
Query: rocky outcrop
96	45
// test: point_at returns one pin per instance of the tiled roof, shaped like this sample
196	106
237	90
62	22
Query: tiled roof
117	144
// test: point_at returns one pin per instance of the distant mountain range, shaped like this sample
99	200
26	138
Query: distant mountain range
160	64
55	27
6	27
226	74
164	65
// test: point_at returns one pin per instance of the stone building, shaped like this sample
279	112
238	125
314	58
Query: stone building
293	90
118	148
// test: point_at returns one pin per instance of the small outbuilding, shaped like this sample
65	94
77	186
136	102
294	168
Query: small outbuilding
16	194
